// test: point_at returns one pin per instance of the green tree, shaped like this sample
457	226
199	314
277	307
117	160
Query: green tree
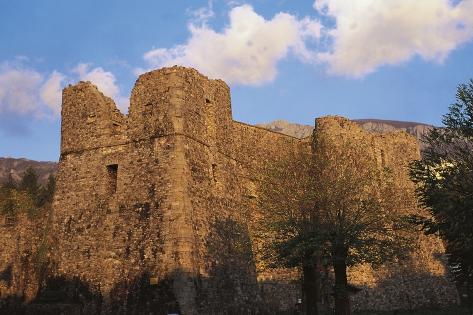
26	197
359	209
445	186
336	203
7	203
285	225
29	183
13	202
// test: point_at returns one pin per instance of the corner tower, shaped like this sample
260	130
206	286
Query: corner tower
143	201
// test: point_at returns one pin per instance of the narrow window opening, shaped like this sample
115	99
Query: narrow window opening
214	172
112	171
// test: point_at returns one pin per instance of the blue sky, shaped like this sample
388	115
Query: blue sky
293	60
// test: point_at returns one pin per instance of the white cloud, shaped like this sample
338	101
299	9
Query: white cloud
25	91
202	15
235	3
367	34
105	81
19	89
373	33
51	91
246	51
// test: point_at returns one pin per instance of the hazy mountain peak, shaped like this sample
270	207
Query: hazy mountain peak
16	167
371	125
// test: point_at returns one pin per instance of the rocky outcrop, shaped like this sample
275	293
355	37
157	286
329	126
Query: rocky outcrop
287	128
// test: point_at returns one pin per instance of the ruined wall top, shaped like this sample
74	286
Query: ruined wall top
168	101
173	101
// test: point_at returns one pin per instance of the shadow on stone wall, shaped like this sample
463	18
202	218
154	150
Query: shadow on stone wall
57	296
229	287
144	296
6	275
280	297
407	290
71	296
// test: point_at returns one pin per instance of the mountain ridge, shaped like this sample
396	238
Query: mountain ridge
17	166
372	125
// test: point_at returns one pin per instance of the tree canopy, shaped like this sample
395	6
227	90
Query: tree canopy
27	196
336	202
286	198
445	185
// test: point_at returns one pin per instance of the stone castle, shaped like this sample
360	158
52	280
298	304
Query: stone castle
153	211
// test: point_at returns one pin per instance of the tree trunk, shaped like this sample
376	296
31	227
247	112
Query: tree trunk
311	286
342	300
470	296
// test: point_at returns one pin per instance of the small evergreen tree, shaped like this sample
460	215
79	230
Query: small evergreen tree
7	203
29	183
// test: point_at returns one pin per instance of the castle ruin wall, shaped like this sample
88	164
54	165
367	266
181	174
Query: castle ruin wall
153	211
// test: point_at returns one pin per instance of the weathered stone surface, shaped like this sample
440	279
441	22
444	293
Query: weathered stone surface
421	280
153	211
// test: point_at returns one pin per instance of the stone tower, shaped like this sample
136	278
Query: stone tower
146	204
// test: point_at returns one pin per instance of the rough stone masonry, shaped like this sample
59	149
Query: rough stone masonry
153	210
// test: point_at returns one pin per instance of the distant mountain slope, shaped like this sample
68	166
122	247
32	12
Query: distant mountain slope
384	126
371	125
17	167
287	128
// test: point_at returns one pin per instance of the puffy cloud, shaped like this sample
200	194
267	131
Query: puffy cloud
105	81
246	51
372	33
51	91
366	35
27	92
19	89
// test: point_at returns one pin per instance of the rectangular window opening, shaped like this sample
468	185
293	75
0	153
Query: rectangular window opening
112	171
